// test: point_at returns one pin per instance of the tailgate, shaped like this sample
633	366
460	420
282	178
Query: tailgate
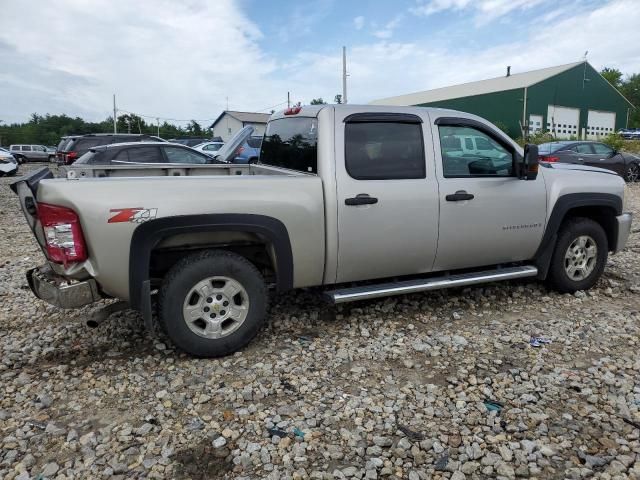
26	187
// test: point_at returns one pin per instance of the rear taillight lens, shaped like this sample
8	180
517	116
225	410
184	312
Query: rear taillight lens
548	158
71	157
62	233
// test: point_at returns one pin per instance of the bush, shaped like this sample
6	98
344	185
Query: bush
614	141
537	138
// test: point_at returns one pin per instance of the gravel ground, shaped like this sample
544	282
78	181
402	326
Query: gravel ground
436	385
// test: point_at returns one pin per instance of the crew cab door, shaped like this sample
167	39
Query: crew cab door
387	195
487	215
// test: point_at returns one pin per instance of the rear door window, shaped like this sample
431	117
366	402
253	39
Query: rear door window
384	150
26	148
144	155
184	155
584	148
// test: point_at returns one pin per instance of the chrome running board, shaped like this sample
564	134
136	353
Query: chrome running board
402	287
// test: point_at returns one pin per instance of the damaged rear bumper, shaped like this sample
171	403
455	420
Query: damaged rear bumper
59	291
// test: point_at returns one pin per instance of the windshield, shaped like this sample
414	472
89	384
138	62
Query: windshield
291	143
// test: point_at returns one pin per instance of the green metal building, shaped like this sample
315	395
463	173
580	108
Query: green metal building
571	100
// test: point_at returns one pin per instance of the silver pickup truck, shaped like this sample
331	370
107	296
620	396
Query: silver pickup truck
365	201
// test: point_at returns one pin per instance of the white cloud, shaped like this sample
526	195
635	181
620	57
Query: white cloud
389	27
384	68
183	63
158	59
358	22
484	11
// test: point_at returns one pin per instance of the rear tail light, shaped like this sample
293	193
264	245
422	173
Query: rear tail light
70	157
548	158
63	234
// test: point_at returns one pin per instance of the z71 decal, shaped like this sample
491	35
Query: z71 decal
133	215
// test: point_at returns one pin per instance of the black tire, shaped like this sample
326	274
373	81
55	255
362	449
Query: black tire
632	173
195	268
20	159
52	158
569	232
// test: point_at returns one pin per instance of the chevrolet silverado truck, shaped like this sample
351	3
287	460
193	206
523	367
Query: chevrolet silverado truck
363	201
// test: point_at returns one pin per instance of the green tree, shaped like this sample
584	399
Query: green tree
194	129
612	75
318	101
631	90
338	98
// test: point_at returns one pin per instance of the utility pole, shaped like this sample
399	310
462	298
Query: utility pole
227	104
158	123
288	100
344	75
115	128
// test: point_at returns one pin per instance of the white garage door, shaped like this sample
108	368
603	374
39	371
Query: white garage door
600	124
563	121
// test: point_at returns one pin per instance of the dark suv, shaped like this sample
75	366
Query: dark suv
73	147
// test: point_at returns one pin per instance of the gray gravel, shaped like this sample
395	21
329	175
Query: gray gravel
395	388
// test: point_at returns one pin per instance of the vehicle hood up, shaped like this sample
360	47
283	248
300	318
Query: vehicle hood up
228	151
571	166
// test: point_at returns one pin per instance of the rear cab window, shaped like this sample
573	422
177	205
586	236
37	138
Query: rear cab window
291	143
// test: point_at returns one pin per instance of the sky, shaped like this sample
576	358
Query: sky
187	60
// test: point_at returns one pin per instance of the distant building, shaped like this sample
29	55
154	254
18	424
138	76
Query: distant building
229	122
571	100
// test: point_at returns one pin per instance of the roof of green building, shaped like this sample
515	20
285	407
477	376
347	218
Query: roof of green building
513	81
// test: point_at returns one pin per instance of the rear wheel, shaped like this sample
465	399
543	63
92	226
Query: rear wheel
213	303
579	257
632	173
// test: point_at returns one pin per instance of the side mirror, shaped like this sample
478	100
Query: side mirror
530	164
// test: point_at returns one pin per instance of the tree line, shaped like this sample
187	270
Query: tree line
629	86
48	129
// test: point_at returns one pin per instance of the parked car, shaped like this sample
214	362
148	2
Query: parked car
189	142
630	134
8	163
249	151
77	145
594	154
209	147
144	153
31	153
406	215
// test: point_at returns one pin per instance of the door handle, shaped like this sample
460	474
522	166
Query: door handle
361	199
459	196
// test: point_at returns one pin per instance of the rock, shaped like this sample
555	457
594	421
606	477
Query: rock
382	441
458	475
219	442
50	469
469	467
505	470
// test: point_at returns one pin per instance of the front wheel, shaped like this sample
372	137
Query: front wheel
632	173
213	303
579	257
